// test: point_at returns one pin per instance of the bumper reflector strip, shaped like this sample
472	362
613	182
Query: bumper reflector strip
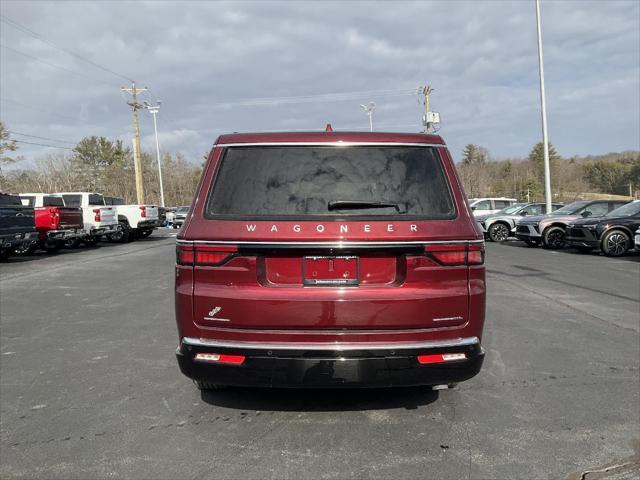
441	357
220	358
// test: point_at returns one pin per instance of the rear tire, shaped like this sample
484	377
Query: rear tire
615	243
51	246
5	253
553	238
207	386
498	232
72	243
91	241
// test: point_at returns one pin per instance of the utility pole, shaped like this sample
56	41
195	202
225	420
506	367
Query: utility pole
430	118
369	111
153	109
543	103
137	162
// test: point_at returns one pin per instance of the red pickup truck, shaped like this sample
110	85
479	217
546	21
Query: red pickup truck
330	259
55	223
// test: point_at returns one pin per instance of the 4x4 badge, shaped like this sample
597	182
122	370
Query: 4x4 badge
212	313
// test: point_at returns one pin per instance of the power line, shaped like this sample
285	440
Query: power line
41	138
42	145
53	65
30	32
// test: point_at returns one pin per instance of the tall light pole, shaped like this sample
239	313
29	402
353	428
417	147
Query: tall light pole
137	162
543	102
369	111
154	109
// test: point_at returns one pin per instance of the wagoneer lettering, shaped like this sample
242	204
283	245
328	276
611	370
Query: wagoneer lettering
338	259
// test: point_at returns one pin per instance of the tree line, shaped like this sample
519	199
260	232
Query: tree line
571	178
98	164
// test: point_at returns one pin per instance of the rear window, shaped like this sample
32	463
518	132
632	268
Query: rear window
10	200
49	201
72	200
96	200
113	201
294	181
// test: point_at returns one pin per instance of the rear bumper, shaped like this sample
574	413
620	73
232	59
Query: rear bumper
330	365
64	234
104	230
148	223
15	239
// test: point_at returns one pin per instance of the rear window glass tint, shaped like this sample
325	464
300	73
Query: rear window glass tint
299	181
72	200
96	200
10	200
52	202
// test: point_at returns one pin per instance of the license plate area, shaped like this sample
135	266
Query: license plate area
331	271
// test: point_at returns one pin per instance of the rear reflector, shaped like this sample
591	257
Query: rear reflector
205	255
441	357
220	358
452	255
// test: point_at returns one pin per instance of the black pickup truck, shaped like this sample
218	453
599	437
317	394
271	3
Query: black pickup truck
17	225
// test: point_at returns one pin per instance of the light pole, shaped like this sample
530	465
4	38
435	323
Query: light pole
154	109
543	102
369	111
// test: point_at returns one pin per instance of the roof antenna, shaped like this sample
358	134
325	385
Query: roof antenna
328	128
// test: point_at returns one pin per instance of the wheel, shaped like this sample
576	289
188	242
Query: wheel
91	241
174	226
72	243
208	386
145	232
498	232
25	249
5	253
584	249
51	246
554	238
615	243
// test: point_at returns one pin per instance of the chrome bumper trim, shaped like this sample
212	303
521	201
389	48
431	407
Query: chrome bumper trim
456	342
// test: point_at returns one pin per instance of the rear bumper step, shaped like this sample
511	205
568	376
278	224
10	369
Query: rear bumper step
330	365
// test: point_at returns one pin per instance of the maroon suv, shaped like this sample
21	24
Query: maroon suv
330	259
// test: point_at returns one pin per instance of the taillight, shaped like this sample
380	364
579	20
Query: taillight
220	358
143	211
452	255
55	216
96	212
440	358
204	255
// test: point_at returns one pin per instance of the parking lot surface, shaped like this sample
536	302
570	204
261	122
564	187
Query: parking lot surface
89	385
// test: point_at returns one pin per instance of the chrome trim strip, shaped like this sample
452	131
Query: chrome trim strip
327	243
330	144
457	342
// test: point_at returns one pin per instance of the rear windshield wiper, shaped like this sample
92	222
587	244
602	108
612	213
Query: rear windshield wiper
361	204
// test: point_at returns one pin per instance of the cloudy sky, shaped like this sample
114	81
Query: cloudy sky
255	66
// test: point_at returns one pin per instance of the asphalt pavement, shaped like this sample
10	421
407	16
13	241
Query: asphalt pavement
89	385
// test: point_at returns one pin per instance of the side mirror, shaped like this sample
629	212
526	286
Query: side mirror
524	214
473	208
586	214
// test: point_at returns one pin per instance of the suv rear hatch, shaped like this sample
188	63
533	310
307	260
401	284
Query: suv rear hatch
299	237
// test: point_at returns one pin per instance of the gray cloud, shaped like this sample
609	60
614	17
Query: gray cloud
480	56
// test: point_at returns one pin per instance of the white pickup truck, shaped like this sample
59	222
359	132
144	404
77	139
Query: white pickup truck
98	219
136	221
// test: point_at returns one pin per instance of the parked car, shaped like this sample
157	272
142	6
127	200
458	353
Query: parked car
136	221
55	222
98	219
550	229
162	217
17	225
637	241
180	216
487	206
498	227
612	233
330	259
